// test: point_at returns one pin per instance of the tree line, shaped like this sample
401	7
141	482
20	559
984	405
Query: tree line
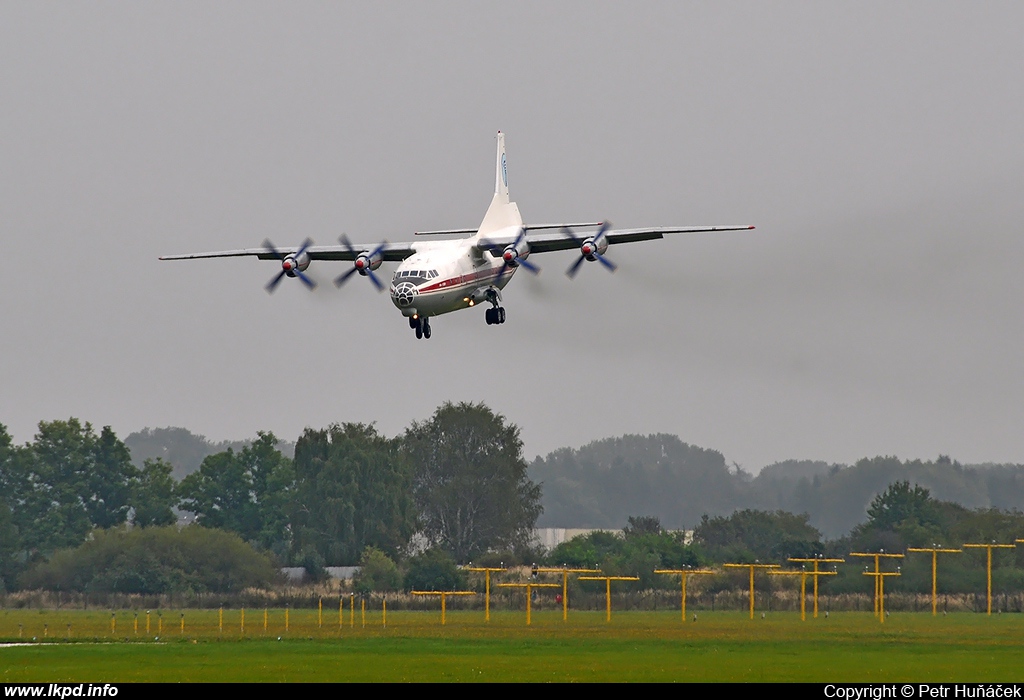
457	486
457	481
602	483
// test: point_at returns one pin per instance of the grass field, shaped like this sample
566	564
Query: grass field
635	646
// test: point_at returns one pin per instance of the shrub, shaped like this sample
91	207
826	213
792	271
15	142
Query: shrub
155	560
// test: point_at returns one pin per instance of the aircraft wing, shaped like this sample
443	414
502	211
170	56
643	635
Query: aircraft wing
547	242
391	252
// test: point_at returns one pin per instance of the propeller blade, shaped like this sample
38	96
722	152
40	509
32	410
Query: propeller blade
343	277
276	253
567	232
347	243
574	268
376	282
612	267
272	284
307	280
528	265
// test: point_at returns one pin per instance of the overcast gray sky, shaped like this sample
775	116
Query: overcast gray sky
877	147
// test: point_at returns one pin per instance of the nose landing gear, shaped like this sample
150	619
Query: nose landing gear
421	325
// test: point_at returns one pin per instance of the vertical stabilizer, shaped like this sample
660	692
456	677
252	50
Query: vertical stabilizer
501	170
502	213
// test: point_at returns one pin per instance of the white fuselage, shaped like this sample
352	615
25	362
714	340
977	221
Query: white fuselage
446	276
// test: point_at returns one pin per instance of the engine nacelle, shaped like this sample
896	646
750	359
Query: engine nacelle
512	252
365	262
291	263
591	248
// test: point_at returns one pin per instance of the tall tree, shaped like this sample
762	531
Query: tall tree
749	535
470	481
352	491
10	487
154	497
71	481
246	492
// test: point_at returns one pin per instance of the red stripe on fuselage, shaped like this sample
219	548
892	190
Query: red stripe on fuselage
463	280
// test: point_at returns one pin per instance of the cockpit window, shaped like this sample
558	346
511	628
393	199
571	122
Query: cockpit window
416	276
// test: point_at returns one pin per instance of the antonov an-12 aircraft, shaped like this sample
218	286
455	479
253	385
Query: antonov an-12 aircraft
436	277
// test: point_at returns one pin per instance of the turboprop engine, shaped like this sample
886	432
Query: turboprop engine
513	255
292	265
592	249
364	263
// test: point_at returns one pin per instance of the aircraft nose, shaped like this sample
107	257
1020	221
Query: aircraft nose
403	294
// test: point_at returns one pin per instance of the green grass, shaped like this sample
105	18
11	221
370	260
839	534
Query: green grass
635	646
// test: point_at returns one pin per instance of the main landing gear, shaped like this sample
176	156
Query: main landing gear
421	325
495	316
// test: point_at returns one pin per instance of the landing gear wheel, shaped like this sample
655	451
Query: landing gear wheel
413	321
419	332
495	316
426	328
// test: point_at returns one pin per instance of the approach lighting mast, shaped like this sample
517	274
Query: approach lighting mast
608	589
752	567
487	585
815	572
990	547
684	573
934	549
444	596
880	589
529	586
878	556
803	574
565	571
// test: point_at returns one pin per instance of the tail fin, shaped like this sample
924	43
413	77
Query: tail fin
502	213
501	170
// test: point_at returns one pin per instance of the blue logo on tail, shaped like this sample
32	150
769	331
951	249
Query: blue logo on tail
504	170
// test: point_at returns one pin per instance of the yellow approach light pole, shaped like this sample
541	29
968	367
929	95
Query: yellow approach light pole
990	547
803	574
486	570
683	573
878	556
529	586
815	572
880	589
444	596
608	589
935	549
752	567
565	571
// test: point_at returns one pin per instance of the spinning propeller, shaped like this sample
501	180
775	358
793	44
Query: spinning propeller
514	255
363	263
292	265
591	249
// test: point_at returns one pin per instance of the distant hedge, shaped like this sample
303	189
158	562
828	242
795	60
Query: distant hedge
155	560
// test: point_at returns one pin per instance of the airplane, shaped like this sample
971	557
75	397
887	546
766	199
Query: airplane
436	277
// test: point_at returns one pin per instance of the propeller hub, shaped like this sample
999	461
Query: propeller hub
360	263
508	256
287	264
